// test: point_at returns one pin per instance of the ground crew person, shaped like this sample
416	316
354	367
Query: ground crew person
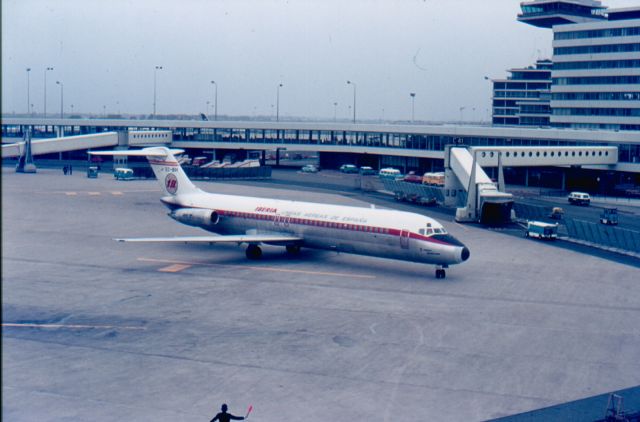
223	416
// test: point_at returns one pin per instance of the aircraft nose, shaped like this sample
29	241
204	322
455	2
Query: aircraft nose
465	253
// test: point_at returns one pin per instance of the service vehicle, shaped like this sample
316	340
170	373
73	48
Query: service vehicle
609	216
309	168
92	172
389	173
348	168
556	213
541	230
579	198
367	171
123	173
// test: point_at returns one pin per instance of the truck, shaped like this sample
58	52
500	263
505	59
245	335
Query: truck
541	230
609	216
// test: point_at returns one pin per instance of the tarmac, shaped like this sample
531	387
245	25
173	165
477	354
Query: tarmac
98	330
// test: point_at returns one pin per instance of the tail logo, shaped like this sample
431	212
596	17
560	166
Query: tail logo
171	183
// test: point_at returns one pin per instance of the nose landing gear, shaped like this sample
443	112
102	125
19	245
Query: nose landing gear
440	272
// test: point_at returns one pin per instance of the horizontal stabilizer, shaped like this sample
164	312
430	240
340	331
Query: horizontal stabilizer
240	238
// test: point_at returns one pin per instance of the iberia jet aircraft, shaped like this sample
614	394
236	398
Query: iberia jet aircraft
255	221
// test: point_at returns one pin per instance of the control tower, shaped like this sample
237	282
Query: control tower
546	13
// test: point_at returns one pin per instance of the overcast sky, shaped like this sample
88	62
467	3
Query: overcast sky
105	52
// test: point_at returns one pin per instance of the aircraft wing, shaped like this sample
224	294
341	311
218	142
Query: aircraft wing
239	238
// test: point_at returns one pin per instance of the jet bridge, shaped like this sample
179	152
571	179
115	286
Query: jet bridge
487	201
27	148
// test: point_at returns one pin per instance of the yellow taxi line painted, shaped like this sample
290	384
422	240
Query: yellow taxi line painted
174	268
71	193
93	193
125	327
116	193
283	270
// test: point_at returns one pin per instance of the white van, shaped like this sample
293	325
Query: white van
579	198
389	173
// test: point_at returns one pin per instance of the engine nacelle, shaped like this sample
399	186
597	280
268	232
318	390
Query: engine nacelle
195	217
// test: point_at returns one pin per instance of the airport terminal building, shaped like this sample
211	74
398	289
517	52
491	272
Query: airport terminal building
593	78
588	94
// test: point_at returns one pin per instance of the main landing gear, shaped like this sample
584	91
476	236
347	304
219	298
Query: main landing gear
253	252
440	272
293	249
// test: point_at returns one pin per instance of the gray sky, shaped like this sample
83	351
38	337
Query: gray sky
105	53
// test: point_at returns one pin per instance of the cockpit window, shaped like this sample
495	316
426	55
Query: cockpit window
421	231
429	231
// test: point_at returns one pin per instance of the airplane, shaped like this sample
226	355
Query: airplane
255	221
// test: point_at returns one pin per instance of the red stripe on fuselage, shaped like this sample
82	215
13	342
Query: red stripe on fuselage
328	224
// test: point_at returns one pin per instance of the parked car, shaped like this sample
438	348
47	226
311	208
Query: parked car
367	171
609	216
123	174
579	198
348	168
390	173
412	177
309	168
92	172
433	179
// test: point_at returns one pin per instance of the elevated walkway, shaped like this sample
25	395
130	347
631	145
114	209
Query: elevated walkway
67	143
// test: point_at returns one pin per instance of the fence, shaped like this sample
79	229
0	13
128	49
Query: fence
413	190
531	212
614	237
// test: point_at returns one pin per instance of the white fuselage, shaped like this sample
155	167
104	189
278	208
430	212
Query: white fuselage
364	231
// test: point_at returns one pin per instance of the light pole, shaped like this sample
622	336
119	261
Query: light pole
278	102
215	100
208	102
413	103
61	98
335	111
45	90
354	99
104	111
155	85
28	94
461	110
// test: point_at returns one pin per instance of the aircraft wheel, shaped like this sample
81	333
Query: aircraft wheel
293	249
440	274
253	252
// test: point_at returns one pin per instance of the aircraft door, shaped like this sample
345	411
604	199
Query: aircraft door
281	220
404	239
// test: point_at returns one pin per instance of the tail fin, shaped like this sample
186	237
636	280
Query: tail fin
172	178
